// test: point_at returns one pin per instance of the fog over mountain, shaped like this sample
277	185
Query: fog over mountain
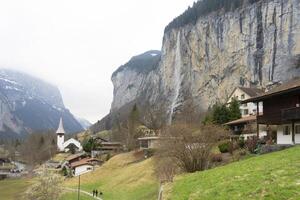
76	45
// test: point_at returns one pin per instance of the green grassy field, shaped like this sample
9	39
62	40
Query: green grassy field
122	177
73	196
271	176
13	189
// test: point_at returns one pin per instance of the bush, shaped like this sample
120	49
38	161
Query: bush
243	152
224	147
251	144
272	148
216	157
241	143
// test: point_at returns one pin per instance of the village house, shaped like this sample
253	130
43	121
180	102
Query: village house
80	163
245	127
150	140
281	110
62	145
105	147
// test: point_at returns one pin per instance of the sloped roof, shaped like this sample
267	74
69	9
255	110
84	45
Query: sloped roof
60	128
289	86
85	161
252	91
242	120
71	157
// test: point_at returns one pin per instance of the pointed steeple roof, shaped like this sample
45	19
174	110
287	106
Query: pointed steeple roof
60	129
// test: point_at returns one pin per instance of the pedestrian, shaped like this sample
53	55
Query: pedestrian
96	193
93	192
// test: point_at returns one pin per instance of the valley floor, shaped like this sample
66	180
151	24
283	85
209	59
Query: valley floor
271	176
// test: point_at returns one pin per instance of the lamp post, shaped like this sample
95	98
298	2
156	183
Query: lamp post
78	187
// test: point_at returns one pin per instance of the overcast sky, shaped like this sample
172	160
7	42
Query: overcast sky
77	44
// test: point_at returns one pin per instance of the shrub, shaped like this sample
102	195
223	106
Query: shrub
251	144
108	156
216	157
272	148
224	147
241	143
242	152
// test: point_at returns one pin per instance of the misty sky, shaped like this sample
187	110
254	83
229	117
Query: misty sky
77	44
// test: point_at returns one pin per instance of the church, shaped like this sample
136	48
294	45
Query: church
62	145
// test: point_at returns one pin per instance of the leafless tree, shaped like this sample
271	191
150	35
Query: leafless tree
47	187
38	147
188	147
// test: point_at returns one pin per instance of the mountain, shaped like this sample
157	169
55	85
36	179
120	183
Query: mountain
206	55
29	104
85	124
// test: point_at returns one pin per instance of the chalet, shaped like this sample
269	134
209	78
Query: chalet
82	166
80	163
245	127
243	93
76	157
281	109
105	146
150	142
150	139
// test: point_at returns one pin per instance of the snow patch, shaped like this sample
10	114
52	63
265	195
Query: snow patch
12	88
9	81
153	54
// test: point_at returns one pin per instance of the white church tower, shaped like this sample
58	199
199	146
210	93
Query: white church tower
60	136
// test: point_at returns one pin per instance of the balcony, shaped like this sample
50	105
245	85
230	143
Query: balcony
290	114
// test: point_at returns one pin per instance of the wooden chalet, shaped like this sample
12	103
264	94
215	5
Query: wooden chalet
281	108
245	127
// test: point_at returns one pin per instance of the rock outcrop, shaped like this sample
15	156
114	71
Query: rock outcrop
250	46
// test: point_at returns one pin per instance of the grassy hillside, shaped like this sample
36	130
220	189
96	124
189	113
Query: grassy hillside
12	189
122	177
271	176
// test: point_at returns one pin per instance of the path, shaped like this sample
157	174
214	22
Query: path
82	191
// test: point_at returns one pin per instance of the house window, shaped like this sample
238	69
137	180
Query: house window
297	129
286	130
244	105
243	96
246	112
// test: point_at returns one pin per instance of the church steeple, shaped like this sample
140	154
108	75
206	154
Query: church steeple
60	136
60	129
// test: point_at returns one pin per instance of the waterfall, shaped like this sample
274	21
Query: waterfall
176	80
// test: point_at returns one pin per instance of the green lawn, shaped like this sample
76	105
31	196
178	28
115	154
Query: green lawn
270	176
121	178
73	196
13	189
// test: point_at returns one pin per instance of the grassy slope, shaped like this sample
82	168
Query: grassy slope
271	176
121	178
11	189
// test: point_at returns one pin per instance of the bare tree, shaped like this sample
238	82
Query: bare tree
38	147
47	187
188	147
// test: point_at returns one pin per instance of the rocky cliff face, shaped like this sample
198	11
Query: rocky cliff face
29	104
251	46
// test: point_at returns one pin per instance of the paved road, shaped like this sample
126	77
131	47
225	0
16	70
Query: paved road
82	191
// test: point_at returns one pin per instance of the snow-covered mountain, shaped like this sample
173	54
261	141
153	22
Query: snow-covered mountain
29	104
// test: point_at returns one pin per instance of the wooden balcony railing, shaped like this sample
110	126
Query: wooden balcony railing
290	114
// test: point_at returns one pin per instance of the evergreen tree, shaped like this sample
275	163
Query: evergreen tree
234	110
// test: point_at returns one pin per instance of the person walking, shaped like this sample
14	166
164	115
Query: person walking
96	193
93	192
